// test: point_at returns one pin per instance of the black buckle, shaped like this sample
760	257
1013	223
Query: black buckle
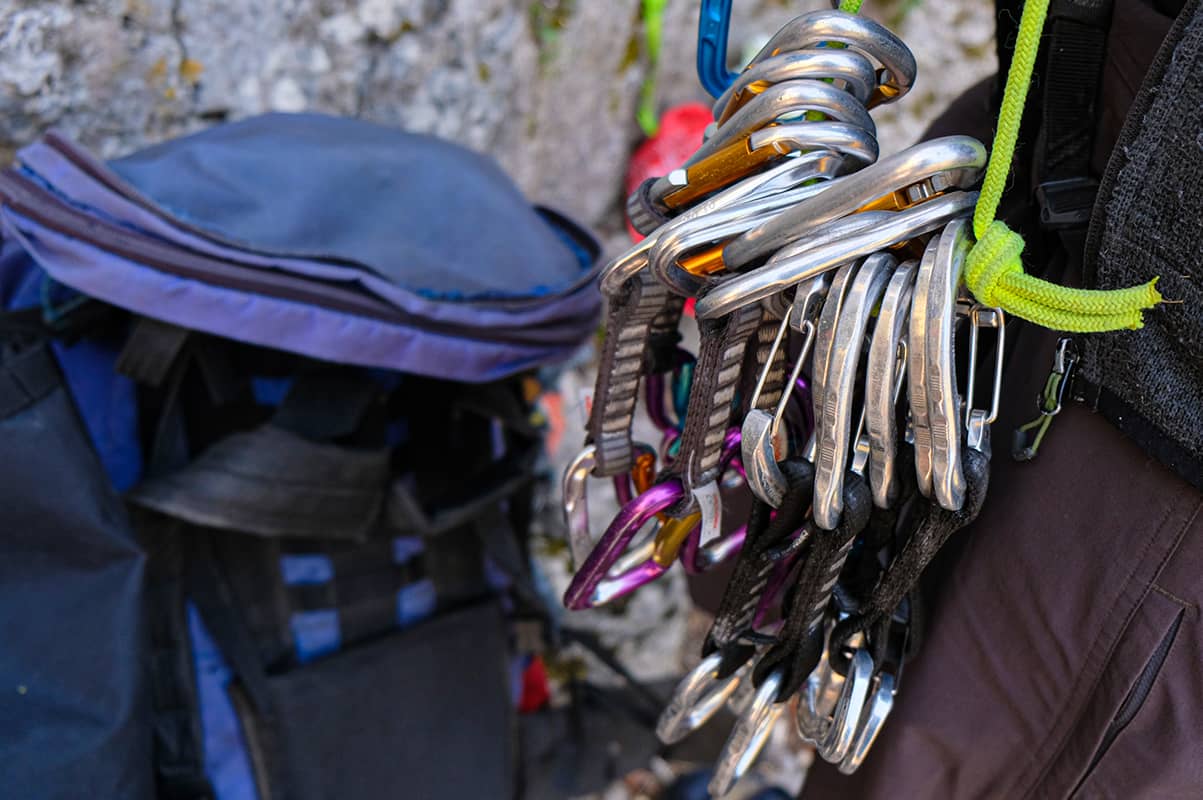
1066	203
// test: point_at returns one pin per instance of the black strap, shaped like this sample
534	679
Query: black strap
1076	45
901	578
330	404
178	738
759	555
26	377
210	591
801	639
150	350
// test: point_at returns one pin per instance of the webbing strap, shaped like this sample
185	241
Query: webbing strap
903	574
715	379
26	378
1076	45
758	557
663	337
630	316
800	647
770	360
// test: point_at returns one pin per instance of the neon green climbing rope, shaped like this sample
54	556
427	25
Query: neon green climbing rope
653	29
994	270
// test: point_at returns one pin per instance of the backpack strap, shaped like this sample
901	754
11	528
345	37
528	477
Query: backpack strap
30	374
1075	49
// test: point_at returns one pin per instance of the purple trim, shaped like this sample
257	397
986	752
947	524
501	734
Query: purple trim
267	321
81	189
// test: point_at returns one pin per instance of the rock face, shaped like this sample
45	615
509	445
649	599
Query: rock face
548	87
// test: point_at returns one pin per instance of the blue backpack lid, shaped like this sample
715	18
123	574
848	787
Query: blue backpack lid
424	213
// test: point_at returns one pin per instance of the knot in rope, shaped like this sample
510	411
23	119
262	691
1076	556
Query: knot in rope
994	269
994	257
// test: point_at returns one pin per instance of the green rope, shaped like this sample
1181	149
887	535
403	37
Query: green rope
653	29
994	270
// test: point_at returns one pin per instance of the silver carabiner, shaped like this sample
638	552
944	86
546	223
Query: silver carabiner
779	274
782	101
790	174
884	375
938	282
697	698
906	178
841	734
573	490
854	31
677	239
749	736
977	420
834	404
759	442
858	145
851	68
871	722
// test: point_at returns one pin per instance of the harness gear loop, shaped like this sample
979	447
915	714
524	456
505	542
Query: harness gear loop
994	269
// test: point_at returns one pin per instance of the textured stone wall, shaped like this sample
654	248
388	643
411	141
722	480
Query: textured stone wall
548	87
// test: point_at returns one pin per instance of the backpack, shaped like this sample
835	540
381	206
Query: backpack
268	450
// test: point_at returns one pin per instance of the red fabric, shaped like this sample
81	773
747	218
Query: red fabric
535	692
680	133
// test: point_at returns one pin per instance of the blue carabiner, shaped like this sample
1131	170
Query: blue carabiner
714	20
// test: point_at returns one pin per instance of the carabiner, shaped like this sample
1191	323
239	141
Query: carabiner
574	492
854	31
785	100
884	376
977	420
834	404
714	22
937	283
761	444
825	63
779	275
749	736
697	698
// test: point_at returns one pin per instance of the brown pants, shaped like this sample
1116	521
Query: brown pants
1064	655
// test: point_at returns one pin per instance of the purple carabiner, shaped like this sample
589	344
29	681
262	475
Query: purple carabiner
613	544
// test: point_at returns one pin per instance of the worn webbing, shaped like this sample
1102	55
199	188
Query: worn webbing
796	653
758	557
903	574
630	315
773	361
663	336
720	360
